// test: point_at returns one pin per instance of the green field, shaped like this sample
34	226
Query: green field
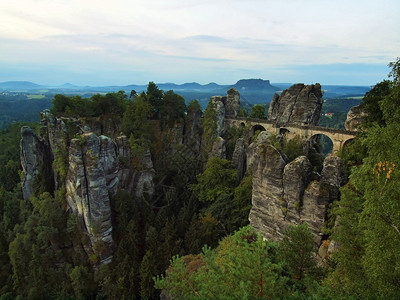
35	96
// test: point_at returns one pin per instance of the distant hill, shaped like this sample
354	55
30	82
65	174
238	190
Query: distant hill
19	85
252	91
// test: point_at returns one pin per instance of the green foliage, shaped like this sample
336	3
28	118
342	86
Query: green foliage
172	108
154	96
293	148
217	180
371	102
193	106
97	105
136	118
146	273
258	112
44	181
9	156
231	136
297	251
339	108
369	223
224	274
82	282
60	162
242	202
18	107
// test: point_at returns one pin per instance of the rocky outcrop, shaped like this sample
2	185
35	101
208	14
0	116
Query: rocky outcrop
216	103
355	117
92	176
219	148
34	155
192	136
283	194
225	107
266	214
296	177
232	103
97	166
239	158
145	183
299	104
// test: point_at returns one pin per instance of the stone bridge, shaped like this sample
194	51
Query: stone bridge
338	136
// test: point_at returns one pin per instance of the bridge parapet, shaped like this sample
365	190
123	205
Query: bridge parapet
338	136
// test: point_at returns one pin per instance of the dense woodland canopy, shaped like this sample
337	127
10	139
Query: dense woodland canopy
195	241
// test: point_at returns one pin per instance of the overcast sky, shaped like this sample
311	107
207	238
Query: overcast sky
99	42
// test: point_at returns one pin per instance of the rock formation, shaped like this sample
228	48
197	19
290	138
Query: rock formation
232	103
219	148
92	176
34	154
300	104
224	107
355	117
283	193
239	158
97	166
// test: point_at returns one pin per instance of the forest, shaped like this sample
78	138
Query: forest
192	239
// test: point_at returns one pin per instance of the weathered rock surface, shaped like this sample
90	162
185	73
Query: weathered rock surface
92	175
266	214
219	148
232	103
97	166
225	107
217	104
253	150
296	177
145	183
355	117
239	158
33	156
283	194
299	104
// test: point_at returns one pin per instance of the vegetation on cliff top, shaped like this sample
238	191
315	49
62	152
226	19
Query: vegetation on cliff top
44	254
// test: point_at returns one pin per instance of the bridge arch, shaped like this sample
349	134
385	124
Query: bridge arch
338	136
347	142
283	131
323	141
256	128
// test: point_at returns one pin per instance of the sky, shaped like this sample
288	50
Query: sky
119	42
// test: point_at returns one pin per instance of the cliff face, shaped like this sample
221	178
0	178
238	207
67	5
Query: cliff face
285	193
225	107
34	154
355	117
298	104
89	166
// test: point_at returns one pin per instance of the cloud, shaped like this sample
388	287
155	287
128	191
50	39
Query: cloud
190	40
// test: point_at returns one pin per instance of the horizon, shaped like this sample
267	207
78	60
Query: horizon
98	43
174	83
